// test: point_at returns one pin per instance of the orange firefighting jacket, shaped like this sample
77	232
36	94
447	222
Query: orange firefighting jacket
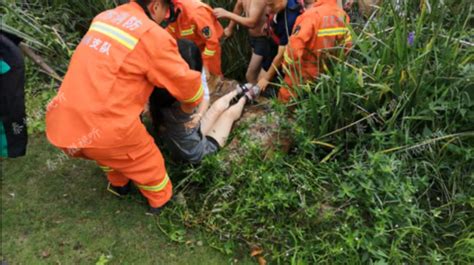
110	78
197	23
316	32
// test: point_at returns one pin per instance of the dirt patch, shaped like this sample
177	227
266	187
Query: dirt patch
263	126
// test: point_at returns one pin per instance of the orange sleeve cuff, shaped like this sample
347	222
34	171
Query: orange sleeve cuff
213	64
196	99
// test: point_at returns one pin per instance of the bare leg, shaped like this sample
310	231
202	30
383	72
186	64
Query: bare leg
254	68
216	109
221	129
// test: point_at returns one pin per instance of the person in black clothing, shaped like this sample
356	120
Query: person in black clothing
13	131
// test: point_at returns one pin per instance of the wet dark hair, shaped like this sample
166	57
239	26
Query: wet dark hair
144	4
161	98
147	2
190	53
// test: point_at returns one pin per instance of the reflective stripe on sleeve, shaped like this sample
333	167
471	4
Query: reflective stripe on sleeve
187	32
332	31
209	52
196	97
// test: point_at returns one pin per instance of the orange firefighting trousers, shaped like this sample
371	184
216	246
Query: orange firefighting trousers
142	163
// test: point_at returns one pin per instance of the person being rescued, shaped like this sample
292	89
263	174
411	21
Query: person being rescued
190	137
194	20
112	73
317	34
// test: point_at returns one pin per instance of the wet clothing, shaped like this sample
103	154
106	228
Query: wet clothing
13	130
318	32
197	23
185	144
112	73
264	47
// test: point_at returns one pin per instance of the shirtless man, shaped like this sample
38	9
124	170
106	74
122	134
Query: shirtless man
254	18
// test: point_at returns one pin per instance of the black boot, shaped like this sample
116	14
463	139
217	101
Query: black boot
155	211
119	191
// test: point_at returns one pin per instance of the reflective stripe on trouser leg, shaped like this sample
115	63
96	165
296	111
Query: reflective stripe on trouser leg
158	192
106	169
158	187
115	178
141	163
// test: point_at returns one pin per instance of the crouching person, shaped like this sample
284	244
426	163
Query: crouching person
318	33
110	78
193	20
190	137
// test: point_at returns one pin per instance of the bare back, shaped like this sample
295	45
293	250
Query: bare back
255	8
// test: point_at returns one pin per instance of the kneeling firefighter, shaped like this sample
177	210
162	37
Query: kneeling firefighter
194	21
112	73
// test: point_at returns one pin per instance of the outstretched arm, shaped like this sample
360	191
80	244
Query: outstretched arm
238	9
268	76
168	70
201	110
256	11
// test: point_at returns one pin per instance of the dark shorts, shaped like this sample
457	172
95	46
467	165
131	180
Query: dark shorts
184	144
266	48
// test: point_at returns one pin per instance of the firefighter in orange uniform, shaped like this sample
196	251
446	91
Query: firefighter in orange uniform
194	20
96	113
316	33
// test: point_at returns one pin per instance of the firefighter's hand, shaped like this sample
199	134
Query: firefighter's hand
228	32
220	12
263	83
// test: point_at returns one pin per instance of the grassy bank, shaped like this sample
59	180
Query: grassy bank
59	212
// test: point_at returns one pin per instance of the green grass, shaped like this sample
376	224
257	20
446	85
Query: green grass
66	216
